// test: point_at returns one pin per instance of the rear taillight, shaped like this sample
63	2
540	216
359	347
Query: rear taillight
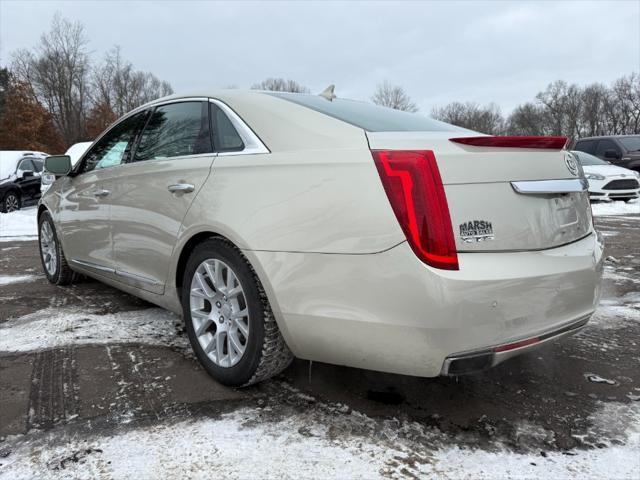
412	182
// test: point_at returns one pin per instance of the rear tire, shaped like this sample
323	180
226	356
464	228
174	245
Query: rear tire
54	263
228	318
10	202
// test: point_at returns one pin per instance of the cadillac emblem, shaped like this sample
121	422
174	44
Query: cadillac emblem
571	163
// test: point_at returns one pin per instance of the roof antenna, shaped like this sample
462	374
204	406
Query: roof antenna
328	92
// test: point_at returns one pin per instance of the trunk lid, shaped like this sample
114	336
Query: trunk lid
487	213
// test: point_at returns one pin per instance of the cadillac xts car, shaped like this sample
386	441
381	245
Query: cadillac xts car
283	225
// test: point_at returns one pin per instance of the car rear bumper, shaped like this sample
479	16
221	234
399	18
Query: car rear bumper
390	312
477	360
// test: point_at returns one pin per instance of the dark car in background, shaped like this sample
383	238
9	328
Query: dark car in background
620	150
20	173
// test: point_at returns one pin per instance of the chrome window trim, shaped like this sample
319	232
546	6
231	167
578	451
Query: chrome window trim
252	143
546	187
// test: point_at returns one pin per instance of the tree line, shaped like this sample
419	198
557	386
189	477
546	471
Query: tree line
53	95
560	109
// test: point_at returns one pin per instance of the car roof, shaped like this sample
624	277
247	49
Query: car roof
600	137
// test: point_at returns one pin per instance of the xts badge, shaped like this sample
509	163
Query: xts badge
476	231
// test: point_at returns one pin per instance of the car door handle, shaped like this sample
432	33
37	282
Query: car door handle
181	188
100	193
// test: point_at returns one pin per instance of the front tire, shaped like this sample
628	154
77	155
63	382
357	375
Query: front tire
54	263
10	202
228	317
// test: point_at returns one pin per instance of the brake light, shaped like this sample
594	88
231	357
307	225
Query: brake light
413	185
547	143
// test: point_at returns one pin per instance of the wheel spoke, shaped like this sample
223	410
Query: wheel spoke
234	292
220	346
234	343
203	326
202	283
244	329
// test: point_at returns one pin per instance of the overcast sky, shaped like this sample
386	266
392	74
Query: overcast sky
504	51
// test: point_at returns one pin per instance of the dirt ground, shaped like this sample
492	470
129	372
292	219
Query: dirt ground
103	386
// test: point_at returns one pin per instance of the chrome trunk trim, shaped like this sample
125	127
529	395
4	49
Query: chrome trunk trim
548	187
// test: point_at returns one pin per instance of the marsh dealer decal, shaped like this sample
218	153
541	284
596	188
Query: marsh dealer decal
476	231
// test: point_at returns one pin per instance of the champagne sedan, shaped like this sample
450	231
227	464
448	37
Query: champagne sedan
283	225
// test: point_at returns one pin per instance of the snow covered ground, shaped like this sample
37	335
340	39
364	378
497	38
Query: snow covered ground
20	225
319	441
59	327
300	437
616	208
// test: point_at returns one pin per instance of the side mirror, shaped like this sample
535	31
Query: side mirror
26	173
611	154
58	164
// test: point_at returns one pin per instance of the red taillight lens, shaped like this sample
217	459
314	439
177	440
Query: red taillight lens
412	182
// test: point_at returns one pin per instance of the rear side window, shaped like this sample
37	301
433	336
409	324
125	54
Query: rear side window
25	165
175	130
225	136
588	146
368	116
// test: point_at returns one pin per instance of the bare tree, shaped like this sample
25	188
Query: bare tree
280	85
117	85
486	119
56	71
393	96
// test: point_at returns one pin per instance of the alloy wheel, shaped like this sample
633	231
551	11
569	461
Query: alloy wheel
48	248
219	312
11	203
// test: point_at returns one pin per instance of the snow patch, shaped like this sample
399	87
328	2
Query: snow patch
9	279
52	328
249	443
19	225
615	208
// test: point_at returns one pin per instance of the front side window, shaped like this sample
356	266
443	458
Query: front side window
225	135
605	145
175	130
632	144
115	146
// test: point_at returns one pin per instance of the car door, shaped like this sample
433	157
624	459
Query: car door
84	215
151	194
27	180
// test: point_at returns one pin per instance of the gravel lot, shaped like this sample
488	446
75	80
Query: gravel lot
96	383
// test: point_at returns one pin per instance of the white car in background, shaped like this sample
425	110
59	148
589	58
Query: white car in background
75	152
607	181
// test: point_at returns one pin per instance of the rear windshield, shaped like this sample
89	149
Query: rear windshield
632	144
367	116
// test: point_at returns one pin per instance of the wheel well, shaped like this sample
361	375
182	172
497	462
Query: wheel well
188	248
41	209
